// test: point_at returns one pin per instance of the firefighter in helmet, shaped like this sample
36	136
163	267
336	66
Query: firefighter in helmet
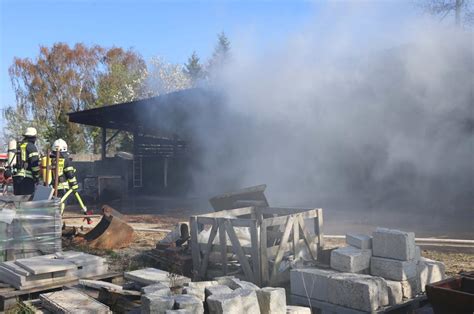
67	182
26	173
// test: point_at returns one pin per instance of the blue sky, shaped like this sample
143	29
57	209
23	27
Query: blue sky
171	29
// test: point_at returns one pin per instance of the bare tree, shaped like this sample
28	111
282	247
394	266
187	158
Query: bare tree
461	9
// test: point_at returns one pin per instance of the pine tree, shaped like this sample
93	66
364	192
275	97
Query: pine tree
221	53
193	68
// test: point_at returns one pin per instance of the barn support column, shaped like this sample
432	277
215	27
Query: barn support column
104	143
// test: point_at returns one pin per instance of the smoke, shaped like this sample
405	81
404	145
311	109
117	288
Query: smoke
328	118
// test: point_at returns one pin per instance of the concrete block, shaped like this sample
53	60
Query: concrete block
72	301
224	304
189	302
249	300
310	282
156	304
360	292
392	269
417	253
236	284
360	241
157	289
395	293
293	309
224	280
197	292
149	276
410	287
219	289
179	311
429	271
272	300
201	284
351	260
393	244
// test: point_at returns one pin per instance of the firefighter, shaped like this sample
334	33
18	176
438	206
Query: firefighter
26	172
67	182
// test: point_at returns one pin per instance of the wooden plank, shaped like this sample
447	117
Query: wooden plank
72	301
195	250
223	244
205	220
319	228
255	253
282	248
282	210
263	253
238	250
306	236
205	260
296	238
276	221
229	212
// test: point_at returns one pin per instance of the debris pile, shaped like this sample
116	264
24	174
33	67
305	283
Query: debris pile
369	274
51	269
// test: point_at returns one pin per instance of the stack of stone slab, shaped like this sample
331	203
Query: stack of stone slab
369	274
222	295
52	269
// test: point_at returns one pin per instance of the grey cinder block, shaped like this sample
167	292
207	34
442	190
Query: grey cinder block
350	259
360	241
393	244
392	269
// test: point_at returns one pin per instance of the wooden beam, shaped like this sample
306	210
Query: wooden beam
282	248
205	260
195	250
223	244
107	142
306	236
238	250
319	228
104	144
255	253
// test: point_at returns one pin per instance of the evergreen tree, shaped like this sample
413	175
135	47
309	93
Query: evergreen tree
221	53
193	68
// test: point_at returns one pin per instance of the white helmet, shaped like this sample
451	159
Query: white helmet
60	145
30	132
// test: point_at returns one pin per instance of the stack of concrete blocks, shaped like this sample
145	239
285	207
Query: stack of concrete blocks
397	272
222	295
397	259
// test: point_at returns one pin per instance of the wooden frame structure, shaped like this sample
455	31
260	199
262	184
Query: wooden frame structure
274	233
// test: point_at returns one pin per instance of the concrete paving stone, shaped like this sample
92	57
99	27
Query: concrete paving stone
149	276
249	300
189	302
395	293
351	260
15	268
157	289
155	304
97	284
197	292
225	304
310	282
393	244
272	300
410	287
429	271
293	309
72	301
360	292
393	269
38	266
219	289
360	241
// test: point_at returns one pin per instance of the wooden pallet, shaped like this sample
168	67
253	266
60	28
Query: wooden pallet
9	296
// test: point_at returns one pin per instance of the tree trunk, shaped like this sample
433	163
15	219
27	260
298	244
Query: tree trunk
458	12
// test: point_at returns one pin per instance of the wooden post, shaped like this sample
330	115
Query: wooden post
255	252
165	172
195	251
104	143
263	252
319	229
223	244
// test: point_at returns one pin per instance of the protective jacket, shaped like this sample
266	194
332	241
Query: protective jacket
27	165
66	172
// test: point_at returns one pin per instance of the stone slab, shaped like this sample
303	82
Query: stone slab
149	276
189	302
44	265
157	289
294	309
201	284
429	271
152	304
236	283
351	260
179	311
324	307
394	244
72	301
360	292
224	304
393	269
272	300
395	293
410	287
360	241
249	300
197	292
97	284
310	282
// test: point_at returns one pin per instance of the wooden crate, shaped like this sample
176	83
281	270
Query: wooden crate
274	232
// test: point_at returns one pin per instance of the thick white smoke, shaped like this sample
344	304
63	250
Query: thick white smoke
332	120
